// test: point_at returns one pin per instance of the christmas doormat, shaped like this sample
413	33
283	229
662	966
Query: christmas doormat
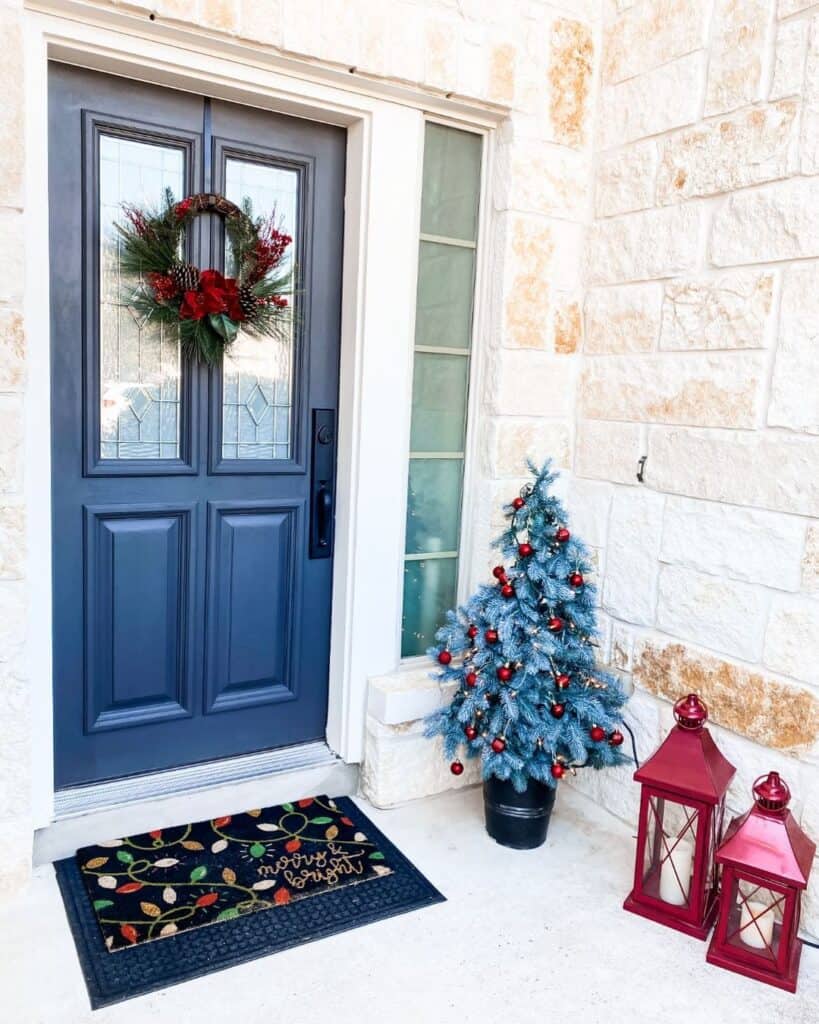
138	906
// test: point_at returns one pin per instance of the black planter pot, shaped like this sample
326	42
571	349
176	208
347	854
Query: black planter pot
519	820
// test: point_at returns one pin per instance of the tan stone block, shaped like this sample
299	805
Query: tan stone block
534	384
405	43
11	255
179	10
775	471
11	445
15	858
373	38
665	98
223	15
635	529
527	296
12	350
339	23
608	451
789	61
776	222
259	20
725	615
12	542
502	65
440	54
703	390
589	504
540	177
12	151
748	148
571	68
737	543
643	246
794	401
752	703
809	144
625	179
568	327
736	54
513	441
788	7
623	319
792	638
725	312
650	34
301	27
810	560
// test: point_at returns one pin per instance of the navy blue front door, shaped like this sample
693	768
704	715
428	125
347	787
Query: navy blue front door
192	509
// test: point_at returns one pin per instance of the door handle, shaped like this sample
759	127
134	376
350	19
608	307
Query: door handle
324	511
322	483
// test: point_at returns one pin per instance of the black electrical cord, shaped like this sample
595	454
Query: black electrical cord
807	942
633	744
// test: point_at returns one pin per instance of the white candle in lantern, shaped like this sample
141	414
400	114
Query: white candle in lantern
675	874
759	932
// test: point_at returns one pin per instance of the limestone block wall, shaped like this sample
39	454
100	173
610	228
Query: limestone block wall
701	352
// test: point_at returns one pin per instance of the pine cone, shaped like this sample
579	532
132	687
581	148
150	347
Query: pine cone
185	276
247	300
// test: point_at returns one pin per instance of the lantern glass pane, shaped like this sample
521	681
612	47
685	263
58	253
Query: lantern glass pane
755	919
668	855
714	836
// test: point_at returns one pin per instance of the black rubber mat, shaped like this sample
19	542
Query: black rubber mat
112	977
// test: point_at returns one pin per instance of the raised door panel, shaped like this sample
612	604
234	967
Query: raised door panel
137	599
252	605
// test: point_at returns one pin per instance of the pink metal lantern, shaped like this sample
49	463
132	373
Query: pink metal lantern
681	815
766	860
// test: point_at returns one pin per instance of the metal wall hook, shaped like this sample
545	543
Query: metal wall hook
641	465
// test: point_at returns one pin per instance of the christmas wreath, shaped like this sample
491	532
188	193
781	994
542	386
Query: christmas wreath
207	307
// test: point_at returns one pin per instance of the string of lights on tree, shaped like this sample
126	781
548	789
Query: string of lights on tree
528	697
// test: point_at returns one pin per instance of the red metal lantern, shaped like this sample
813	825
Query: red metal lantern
766	860
681	815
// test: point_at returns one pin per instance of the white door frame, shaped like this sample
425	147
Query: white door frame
385	126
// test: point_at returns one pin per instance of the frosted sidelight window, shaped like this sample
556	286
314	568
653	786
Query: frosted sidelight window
440	391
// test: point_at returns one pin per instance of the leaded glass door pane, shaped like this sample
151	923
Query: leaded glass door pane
140	361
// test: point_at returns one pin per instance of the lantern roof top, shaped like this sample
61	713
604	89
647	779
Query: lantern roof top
688	761
768	839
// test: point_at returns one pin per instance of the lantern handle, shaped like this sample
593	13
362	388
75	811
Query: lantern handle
771	792
691	712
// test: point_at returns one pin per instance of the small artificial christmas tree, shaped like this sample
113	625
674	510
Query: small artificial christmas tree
529	699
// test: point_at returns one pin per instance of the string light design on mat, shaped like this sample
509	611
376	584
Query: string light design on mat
169	880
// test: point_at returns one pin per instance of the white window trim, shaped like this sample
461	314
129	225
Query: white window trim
385	125
477	358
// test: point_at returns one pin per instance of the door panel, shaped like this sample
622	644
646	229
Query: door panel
253	579
136	613
190	620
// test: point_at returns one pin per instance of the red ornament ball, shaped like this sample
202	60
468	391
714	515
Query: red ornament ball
517	504
444	657
470	732
471	679
555	624
524	550
576	580
562	535
557	770
507	590
456	768
597	733
499	572
498	745
504	673
616	738
562	681
558	710
472	632
491	636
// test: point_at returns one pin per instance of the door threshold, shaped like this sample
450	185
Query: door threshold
125	807
68	803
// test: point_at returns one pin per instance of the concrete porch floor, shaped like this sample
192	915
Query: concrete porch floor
533	936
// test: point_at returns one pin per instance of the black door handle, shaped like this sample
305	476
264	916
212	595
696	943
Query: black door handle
322	480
